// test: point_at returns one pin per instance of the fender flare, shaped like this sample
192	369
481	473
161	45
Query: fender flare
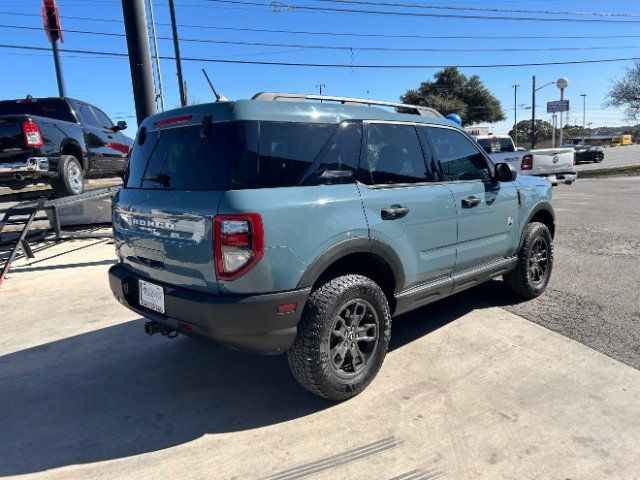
348	247
540	206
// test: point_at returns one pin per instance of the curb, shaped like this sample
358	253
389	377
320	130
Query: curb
610	171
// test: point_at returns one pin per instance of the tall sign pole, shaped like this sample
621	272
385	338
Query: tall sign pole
533	113
562	83
51	21
135	26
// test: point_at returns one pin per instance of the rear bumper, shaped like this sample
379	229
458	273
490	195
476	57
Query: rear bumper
557	178
32	167
248	323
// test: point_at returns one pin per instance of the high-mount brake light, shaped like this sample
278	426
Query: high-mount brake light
167	122
238	243
32	135
527	162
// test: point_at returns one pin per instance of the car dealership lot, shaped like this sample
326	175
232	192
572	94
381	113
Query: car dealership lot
468	390
615	157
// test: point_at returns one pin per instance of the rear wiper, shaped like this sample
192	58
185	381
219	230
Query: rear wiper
162	178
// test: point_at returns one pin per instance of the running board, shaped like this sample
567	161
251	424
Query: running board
421	295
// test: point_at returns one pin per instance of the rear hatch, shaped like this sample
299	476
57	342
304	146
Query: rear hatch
163	218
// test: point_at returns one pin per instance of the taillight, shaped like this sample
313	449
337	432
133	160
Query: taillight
239	244
32	135
527	162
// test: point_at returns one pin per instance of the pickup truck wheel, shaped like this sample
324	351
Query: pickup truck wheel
71	177
535	262
342	338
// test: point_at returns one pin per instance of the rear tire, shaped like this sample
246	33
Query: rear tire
70	180
342	338
535	263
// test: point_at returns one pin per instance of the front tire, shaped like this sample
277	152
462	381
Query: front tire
342	338
535	263
70	179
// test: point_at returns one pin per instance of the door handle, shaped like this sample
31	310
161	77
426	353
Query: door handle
393	212
470	202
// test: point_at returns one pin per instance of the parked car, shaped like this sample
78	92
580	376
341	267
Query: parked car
555	164
60	141
586	153
303	227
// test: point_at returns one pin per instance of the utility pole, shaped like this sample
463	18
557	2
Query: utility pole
135	26
515	114
51	21
176	47
533	114
160	94
584	114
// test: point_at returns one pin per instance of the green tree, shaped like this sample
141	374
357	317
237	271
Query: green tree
544	131
572	131
625	92
453	92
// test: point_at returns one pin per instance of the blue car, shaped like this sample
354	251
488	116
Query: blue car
302	224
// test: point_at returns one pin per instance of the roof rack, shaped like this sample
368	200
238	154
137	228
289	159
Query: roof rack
301	97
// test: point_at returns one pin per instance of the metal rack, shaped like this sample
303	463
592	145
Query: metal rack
301	97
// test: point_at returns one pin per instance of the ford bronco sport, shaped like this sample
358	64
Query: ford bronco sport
280	224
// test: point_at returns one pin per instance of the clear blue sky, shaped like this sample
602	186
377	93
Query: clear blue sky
106	81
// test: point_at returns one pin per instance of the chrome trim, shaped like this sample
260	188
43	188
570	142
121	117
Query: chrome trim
31	164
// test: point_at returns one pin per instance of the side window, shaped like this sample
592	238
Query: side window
338	160
86	115
288	149
102	117
456	156
393	155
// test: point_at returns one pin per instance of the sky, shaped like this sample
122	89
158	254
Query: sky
106	82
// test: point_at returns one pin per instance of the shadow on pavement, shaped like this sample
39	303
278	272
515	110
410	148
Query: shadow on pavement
114	392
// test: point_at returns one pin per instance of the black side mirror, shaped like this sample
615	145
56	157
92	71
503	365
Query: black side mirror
121	125
505	172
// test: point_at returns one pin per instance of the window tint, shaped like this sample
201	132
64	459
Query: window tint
103	120
86	115
338	160
287	151
393	155
50	108
457	157
180	159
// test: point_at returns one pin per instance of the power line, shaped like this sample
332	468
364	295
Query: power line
348	34
329	65
342	47
480	9
279	6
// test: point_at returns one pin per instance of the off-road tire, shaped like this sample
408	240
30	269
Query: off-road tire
309	357
70	177
520	280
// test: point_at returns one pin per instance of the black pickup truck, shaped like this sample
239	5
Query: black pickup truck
60	141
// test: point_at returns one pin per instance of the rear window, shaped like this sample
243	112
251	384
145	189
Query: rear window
57	109
231	156
496	145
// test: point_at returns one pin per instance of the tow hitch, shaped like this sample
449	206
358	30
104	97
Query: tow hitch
153	327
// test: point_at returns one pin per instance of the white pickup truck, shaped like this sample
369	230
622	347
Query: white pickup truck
556	164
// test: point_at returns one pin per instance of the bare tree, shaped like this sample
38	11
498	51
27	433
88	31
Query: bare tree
625	92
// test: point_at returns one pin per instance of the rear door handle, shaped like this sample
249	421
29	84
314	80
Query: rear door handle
393	212
470	202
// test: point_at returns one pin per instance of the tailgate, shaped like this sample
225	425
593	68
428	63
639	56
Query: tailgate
552	160
12	145
167	236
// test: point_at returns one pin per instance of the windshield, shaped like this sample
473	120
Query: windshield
50	108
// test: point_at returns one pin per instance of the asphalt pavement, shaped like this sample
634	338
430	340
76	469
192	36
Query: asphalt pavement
593	295
615	157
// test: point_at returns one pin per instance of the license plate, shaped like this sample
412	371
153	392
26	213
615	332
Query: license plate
151	296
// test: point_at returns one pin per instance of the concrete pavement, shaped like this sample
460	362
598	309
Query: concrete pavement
467	391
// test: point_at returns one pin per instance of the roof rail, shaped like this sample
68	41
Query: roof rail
301	97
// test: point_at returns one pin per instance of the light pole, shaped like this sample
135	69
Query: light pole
562	83
584	113
515	114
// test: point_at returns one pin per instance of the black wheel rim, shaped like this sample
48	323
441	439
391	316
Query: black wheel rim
538	261
353	339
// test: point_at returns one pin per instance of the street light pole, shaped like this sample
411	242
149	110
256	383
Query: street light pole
533	114
584	114
562	83
515	114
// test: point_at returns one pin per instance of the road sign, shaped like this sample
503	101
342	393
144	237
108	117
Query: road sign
51	20
558	106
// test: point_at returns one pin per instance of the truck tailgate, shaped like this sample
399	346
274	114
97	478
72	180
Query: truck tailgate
552	160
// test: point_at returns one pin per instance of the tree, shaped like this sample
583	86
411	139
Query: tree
625	92
570	132
544	131
453	92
